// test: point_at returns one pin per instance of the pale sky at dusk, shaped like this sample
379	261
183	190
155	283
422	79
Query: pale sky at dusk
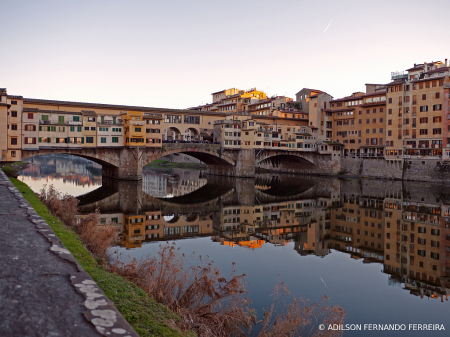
174	54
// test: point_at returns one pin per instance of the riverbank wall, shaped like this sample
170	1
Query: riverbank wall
416	170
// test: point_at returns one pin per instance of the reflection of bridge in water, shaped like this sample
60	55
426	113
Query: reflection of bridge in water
128	197
374	221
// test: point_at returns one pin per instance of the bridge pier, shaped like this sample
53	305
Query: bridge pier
130	165
243	165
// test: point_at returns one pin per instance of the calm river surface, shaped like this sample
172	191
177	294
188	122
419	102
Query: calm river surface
378	249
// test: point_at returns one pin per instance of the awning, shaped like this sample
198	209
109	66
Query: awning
206	136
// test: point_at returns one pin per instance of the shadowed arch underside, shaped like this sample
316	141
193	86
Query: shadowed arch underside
287	162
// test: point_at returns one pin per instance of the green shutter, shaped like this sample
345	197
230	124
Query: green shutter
40	140
45	117
82	140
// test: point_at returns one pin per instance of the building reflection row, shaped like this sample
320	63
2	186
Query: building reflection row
411	240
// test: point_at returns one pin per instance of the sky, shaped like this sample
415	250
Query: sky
174	54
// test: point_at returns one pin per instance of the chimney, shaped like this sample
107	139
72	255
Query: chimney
446	62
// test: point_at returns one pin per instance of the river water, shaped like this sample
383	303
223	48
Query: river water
379	249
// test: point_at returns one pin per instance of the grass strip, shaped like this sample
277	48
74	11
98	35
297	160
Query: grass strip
145	315
166	163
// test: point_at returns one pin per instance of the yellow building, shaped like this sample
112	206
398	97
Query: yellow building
89	133
134	125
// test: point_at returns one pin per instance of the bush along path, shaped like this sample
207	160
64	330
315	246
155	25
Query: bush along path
51	285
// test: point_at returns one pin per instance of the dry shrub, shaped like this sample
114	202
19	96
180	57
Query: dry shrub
96	237
207	302
300	318
61	205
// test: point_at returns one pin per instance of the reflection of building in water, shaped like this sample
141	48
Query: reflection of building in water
177	183
154	184
151	226
75	170
417	246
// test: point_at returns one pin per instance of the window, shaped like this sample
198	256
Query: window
103	140
13	126
424	97
423	132
137	129
437	131
91	119
191	119
435	256
44	117
13	153
30	116
92	128
115	139
423	108
90	140
437	107
72	128
173	119
86	128
437	95
13	113
78	128
76	118
60	119
13	102
389	121
389	132
423	120
13	140
390	100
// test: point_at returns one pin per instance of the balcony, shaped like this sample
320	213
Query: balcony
139	123
75	123
118	122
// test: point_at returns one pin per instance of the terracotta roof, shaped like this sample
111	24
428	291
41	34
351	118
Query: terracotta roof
438	70
375	93
395	83
415	68
52	111
348	98
88	113
14	97
113	106
428	79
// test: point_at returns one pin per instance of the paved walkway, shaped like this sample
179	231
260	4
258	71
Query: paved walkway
43	290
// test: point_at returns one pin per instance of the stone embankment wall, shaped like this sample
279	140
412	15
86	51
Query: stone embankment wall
417	169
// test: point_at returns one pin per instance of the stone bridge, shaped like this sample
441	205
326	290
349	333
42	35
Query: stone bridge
290	161
127	162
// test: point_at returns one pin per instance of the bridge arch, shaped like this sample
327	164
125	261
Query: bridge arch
173	133
192	134
286	162
103	157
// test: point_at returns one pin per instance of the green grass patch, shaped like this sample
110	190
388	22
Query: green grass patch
8	170
166	163
145	315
